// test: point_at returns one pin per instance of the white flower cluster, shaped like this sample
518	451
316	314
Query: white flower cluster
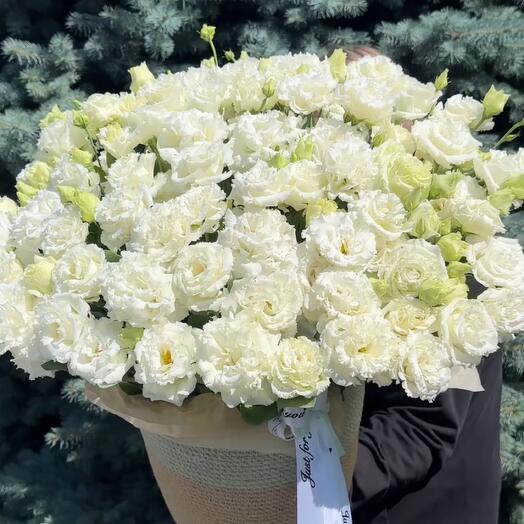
262	229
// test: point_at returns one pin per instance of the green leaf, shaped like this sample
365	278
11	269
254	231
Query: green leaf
110	159
111	256
256	415
51	365
131	388
297	402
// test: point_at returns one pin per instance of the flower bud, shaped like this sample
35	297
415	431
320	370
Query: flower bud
380	287
319	207
338	65
37	276
243	55
441	292
53	116
37	174
208	62
452	247
25	192
264	64
424	221
494	102
268	89
397	133
502	200
443	186
279	161
80	119
446	226
303	150
229	56
84	158
410	179
85	202
207	32
458	269
140	76
441	82
130	336
515	184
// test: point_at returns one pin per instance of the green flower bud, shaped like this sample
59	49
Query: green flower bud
338	65
319	207
380	287
208	62
140	76
53	116
441	292
494	102
243	55
515	184
410	179
441	82
303	150
268	89
424	221
84	158
398	134
229	56
37	276
446	226
23	199
452	247
130	336
443	186
207	32
85	202
37	174
80	119
458	270
502	200
279	161
23	189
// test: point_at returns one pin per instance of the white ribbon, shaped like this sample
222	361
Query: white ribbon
322	495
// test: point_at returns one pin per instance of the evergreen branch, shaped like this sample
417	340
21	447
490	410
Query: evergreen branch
23	52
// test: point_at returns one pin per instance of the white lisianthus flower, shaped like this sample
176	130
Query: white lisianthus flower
204	89
446	141
474	216
350	167
366	99
118	141
380	68
407	265
200	273
467	110
307	92
468	188
310	264
11	270
5	230
425	366
307	182
299	369
137	290
98	357
466	326
415	99
274	301
258	136
234	359
497	261
500	166
383	213
8	206
336	293
341	241
161	232
117	214
61	322
362	348
166	362
261	186
506	308
29	223
101	108
16	317
261	241
63	230
185	128
131	174
60	137
80	271
197	164
69	173
409	314
282	66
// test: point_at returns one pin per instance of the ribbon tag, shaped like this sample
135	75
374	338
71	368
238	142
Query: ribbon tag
322	495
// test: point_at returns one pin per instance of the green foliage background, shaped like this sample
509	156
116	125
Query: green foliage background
64	461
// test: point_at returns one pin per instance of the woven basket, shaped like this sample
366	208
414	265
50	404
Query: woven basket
232	473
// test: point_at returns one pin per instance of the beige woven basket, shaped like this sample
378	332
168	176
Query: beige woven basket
213	468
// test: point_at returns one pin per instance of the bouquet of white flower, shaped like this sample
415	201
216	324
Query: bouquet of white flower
260	231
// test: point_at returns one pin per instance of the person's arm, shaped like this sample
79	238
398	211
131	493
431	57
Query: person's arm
402	444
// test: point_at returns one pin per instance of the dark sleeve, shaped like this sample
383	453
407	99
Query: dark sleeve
403	442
